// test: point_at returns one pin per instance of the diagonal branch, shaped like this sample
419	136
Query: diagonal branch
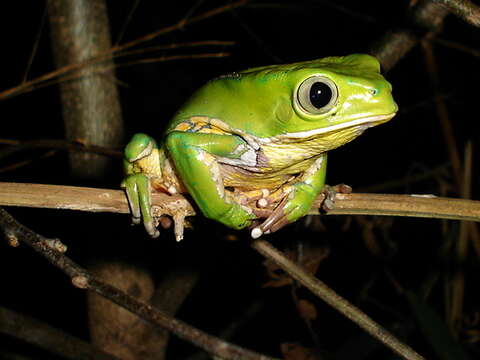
112	52
81	278
321	290
464	9
44	336
114	200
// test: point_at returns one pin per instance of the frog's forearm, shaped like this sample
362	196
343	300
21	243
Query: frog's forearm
200	172
306	189
315	174
127	167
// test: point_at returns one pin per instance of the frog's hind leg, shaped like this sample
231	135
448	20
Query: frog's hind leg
195	157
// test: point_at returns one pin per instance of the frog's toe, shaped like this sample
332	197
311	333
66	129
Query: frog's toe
330	192
261	213
151	229
179	226
277	219
136	220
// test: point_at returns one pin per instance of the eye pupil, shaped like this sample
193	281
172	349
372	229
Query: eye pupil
320	94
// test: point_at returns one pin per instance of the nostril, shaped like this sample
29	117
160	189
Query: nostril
373	92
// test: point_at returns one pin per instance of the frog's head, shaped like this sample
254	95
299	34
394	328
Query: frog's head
336	93
299	101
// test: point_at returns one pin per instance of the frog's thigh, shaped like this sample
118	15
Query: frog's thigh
192	154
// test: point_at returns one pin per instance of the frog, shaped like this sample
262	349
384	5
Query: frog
250	147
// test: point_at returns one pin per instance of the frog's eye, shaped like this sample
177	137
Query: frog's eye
317	95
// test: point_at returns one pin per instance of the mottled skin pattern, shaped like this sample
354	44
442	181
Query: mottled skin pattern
258	139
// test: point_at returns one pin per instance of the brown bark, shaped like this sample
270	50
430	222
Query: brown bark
91	108
92	115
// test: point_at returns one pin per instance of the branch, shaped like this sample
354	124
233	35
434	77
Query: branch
427	15
106	200
464	9
54	144
336	301
82	279
42	335
88	199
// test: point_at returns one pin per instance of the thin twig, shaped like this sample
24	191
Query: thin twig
127	22
457	46
176	46
458	282
23	163
179	25
336	301
192	10
35	45
81	278
18	146
442	112
101	57
174	57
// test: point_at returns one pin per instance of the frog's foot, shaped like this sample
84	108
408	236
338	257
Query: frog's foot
138	189
330	192
295	203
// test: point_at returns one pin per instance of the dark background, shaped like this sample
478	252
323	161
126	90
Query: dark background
264	32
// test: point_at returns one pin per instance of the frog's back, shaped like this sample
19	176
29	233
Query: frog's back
243	101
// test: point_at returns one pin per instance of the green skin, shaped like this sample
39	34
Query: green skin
267	127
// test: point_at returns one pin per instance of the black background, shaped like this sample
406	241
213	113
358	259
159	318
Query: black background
264	32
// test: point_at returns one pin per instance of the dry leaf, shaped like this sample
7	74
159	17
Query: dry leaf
310	262
293	351
307	310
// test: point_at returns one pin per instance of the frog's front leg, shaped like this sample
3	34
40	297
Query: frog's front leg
195	157
299	199
142	149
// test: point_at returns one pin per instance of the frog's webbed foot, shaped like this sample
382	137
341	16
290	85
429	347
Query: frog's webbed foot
330	192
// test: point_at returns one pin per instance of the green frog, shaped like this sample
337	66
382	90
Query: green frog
257	140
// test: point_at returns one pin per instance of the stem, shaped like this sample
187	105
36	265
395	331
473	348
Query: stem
336	301
81	278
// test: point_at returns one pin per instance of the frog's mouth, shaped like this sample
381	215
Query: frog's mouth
361	124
